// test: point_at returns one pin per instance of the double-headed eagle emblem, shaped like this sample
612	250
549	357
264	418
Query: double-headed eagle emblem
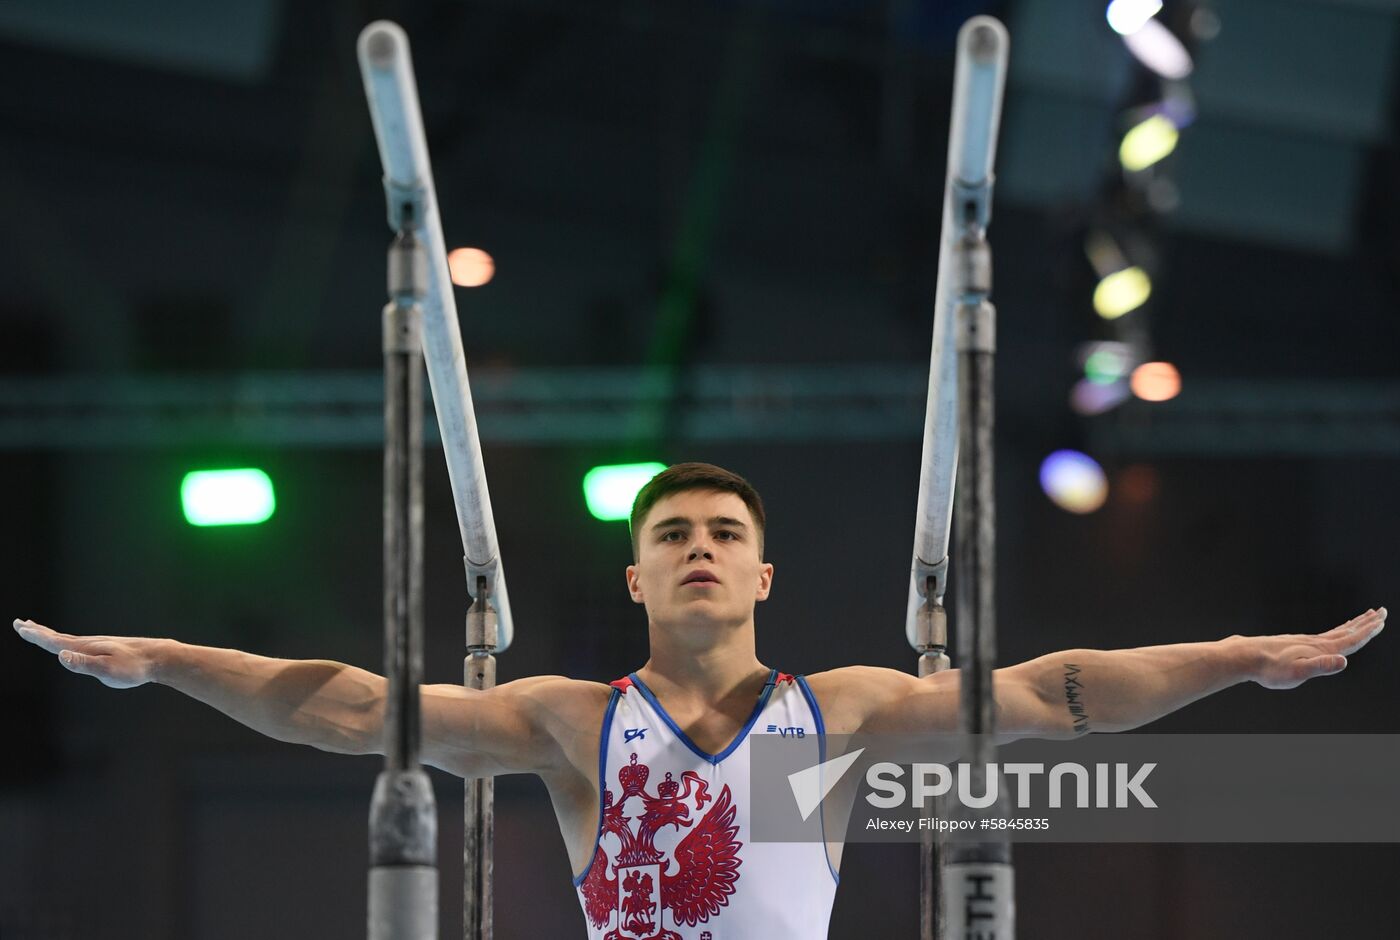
643	886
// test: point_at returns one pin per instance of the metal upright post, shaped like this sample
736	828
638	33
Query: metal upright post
386	66
403	887
962	322
479	809
933	657
978	878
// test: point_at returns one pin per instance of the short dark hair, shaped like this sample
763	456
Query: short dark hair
683	477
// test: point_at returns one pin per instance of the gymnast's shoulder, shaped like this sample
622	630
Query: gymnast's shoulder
533	724
849	696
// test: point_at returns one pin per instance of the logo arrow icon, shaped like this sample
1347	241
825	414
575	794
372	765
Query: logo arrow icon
810	786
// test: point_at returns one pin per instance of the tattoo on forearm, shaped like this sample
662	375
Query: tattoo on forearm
1074	688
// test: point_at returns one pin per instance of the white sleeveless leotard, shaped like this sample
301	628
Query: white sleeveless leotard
674	859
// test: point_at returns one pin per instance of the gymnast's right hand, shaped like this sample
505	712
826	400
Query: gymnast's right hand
117	661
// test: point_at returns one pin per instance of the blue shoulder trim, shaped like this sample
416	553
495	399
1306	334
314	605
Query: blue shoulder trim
685	738
821	757
602	781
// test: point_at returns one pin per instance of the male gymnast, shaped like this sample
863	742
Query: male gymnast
648	774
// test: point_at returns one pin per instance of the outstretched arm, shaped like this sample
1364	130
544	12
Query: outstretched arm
1076	691
1094	690
521	726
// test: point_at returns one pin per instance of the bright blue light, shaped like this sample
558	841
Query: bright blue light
1074	481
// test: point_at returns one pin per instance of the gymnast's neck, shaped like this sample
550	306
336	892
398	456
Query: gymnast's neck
704	663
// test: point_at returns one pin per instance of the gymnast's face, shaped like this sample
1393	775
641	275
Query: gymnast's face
698	560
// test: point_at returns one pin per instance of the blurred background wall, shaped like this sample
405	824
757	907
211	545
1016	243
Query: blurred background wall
714	229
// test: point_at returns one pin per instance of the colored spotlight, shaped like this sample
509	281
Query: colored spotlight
610	490
1157	48
1103	252
1106	362
470	267
1073	481
1156	381
1102	368
227	497
1122	292
1091	398
1128	16
1137	485
1147	143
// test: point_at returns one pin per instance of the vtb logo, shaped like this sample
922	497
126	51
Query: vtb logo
787	732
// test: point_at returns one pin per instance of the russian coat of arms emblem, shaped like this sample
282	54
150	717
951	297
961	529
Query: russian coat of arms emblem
640	889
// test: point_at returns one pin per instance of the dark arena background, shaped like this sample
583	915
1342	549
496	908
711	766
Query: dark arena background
713	231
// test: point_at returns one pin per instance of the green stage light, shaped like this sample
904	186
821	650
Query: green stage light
227	497
610	490
1105	366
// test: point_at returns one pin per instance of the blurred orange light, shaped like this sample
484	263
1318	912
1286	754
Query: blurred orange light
1156	381
470	267
1138	485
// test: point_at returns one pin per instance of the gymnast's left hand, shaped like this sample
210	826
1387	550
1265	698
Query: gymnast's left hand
1284	662
119	662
